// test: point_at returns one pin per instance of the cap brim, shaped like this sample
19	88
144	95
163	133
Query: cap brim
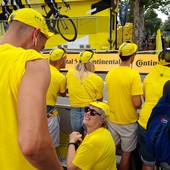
96	105
49	34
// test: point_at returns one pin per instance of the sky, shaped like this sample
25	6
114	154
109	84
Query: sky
161	15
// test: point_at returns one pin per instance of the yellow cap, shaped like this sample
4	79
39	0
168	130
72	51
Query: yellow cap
32	18
127	49
57	54
86	56
102	106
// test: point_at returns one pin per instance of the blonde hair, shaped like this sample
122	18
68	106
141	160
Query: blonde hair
84	69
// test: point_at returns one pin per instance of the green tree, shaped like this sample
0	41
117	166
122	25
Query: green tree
166	32
138	8
151	22
166	25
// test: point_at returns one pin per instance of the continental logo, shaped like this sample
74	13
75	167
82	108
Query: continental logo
111	62
141	63
98	62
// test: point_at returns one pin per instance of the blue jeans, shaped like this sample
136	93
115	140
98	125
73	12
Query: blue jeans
50	108
146	156
76	116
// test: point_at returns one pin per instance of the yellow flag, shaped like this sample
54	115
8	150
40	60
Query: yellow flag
158	41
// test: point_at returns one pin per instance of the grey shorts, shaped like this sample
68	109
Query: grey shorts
125	135
54	129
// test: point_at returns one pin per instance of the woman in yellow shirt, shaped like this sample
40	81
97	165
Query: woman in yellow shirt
84	86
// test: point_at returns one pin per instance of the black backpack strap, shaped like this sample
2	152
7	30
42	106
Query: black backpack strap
169	130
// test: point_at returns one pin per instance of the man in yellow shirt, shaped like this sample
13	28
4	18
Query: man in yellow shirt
24	79
124	89
57	60
153	90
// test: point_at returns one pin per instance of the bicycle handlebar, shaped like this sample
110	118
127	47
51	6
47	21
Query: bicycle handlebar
58	8
66	5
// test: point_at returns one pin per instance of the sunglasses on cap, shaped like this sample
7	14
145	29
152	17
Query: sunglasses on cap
92	53
164	55
91	111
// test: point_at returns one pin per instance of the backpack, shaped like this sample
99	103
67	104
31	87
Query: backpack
158	130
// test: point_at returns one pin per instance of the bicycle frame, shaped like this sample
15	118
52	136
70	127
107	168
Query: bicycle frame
65	25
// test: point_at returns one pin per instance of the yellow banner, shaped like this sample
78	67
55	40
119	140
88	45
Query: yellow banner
143	63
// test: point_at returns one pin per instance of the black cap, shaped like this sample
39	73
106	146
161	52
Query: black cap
164	55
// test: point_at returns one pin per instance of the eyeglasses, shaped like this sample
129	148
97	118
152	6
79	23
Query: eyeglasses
92	111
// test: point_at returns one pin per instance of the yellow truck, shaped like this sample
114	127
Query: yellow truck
95	22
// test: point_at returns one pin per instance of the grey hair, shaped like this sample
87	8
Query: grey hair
104	118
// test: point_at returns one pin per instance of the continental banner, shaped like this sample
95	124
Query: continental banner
143	63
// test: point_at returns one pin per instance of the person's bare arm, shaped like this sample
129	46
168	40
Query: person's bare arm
63	88
71	153
33	134
137	101
70	156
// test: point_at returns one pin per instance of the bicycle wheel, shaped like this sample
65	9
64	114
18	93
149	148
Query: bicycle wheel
66	28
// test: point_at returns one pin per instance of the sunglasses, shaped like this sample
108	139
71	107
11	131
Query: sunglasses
92	111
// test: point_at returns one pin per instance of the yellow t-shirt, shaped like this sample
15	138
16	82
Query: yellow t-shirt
153	88
96	152
122	83
81	93
57	84
12	61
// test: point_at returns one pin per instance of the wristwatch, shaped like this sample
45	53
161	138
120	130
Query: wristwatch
73	143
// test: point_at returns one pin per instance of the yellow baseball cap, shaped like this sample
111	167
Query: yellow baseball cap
127	49
32	18
102	106
57	54
86	56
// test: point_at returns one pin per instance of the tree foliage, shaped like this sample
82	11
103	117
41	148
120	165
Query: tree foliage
151	22
143	16
166	25
147	5
166	31
161	5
